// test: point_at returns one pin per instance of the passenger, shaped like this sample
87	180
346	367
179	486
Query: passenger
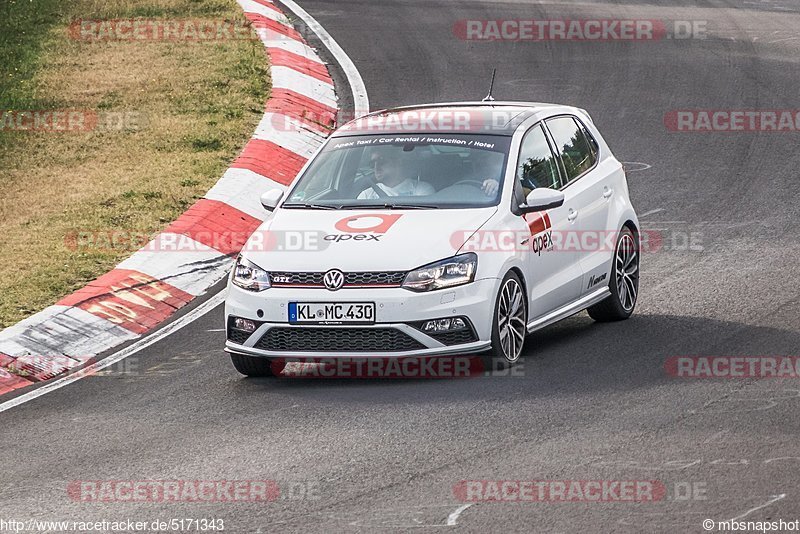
391	179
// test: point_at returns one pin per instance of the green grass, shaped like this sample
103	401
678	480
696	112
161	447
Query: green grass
23	28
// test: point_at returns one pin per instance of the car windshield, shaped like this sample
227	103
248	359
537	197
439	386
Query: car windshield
418	171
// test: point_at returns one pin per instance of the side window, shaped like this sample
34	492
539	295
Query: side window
537	164
577	154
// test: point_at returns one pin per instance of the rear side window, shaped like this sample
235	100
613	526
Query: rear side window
537	165
577	153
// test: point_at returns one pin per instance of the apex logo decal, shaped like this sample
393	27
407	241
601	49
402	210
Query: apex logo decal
360	224
594	280
541	230
368	227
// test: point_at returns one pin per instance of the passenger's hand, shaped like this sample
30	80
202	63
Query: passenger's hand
490	187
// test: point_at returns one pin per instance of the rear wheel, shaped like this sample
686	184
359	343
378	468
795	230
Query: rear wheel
509	325
250	366
623	283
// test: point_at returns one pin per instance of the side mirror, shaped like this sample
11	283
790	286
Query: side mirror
542	198
271	198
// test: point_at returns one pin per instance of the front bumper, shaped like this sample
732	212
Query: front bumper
396	312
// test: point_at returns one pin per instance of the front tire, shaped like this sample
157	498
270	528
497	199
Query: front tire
509	325
257	367
623	282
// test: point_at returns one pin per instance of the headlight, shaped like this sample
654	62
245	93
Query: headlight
250	276
451	272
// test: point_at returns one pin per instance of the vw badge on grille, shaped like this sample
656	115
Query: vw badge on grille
333	279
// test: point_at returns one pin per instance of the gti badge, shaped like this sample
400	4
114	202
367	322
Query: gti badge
333	280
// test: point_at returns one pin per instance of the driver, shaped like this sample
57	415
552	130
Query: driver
487	167
390	178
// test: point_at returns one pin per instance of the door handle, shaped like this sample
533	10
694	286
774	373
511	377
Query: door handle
607	192
572	215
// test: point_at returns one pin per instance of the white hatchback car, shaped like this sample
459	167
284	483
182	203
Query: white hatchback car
437	230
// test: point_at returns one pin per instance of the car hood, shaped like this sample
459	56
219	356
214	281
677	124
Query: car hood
299	240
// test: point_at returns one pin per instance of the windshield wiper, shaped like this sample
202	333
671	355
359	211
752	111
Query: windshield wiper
388	206
411	207
311	206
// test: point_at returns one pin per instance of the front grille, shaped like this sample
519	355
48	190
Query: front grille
307	339
374	279
378	278
456	337
237	336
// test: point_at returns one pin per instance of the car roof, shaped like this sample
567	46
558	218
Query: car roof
494	117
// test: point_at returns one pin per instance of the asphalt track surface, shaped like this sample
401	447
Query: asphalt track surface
594	402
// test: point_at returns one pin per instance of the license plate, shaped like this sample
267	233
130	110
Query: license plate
332	312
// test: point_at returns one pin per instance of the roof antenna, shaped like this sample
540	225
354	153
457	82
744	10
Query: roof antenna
489	97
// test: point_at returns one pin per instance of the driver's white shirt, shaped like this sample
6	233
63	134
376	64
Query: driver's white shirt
406	188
